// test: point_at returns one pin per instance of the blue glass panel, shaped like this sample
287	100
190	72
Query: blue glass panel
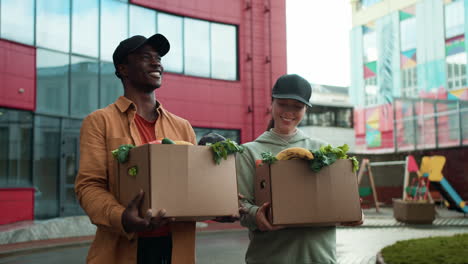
114	26
52	82
197	47
84	86
17	20
85	27
142	21
223	51
171	27
53	24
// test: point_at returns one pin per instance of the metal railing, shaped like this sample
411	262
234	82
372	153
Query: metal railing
429	124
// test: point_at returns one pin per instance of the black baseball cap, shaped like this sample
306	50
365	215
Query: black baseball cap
292	86
127	46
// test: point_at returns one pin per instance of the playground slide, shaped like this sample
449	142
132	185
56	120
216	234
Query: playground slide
449	194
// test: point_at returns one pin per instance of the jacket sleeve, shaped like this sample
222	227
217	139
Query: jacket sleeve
191	134
91	184
245	163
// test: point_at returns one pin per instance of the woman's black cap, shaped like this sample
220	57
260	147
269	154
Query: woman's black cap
292	86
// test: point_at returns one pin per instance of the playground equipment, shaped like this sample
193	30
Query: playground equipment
431	167
366	169
419	189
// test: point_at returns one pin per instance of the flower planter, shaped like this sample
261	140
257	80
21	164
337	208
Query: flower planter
413	212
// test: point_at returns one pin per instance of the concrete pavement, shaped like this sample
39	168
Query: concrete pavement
354	245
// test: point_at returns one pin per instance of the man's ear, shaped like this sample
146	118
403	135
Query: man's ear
122	69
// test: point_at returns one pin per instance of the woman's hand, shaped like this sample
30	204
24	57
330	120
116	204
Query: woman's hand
262	221
356	223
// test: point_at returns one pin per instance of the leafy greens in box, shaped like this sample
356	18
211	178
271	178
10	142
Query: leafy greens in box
327	155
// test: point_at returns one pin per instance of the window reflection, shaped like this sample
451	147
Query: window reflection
52	82
15	139
113	26
197	47
53	24
408	34
46	166
232	134
84	86
142	21
454	19
171	27
370	46
111	86
17	20
223	52
85	23
328	116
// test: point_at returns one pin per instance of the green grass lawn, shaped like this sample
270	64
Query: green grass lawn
432	250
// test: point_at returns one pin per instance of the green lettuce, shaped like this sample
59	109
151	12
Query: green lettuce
327	155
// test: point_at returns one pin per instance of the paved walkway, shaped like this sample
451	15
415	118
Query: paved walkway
354	245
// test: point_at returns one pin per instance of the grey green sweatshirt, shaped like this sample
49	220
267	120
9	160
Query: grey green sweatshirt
286	246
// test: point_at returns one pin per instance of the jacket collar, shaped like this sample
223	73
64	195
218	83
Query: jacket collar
123	104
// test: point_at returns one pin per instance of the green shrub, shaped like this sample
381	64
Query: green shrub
432	250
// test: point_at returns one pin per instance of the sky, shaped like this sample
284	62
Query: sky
318	40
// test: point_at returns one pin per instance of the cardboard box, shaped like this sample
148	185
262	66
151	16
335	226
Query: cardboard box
298	196
413	212
184	180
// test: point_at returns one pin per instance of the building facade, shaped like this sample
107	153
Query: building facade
409	74
408	83
56	67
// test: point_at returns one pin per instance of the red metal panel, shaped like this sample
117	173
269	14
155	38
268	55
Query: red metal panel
16	204
17	75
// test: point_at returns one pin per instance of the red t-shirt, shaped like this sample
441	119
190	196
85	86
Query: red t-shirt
146	130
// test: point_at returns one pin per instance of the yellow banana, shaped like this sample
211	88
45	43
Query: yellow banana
295	153
181	142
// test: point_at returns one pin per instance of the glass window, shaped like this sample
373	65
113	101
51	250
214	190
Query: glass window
223	52
114	26
197	47
17	20
111	86
371	91
52	82
53	24
142	21
15	139
85	31
408	34
232	134
370	46
367	3
454	19
456	70
171	27
409	82
46	166
84	86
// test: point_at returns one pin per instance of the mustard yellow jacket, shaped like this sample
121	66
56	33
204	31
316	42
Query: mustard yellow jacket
96	186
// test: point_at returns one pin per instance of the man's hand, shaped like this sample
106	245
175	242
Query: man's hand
132	222
262	221
234	217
